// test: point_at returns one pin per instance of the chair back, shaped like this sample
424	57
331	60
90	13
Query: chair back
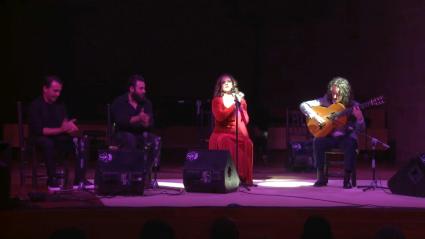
110	125
296	128
21	128
298	140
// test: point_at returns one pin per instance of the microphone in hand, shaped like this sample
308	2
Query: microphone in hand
238	96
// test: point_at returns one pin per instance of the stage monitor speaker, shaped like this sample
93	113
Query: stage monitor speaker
120	172
410	180
210	171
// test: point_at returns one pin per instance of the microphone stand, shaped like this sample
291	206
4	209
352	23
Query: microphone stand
147	149
155	166
237	109
80	144
374	183
199	121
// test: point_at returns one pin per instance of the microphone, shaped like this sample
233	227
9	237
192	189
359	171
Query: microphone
238	95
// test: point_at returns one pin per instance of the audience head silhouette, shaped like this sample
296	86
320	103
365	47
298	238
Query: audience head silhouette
317	227
224	228
68	233
389	232
156	229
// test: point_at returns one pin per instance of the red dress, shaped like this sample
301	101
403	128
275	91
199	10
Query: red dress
224	138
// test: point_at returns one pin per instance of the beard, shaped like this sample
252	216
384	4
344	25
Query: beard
138	98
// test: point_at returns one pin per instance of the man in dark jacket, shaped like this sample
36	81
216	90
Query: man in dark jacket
132	114
51	130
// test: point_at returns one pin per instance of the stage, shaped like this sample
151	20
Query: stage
276	208
277	192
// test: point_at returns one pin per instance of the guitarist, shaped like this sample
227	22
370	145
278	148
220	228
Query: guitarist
345	138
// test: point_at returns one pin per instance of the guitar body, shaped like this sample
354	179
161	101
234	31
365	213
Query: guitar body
322	130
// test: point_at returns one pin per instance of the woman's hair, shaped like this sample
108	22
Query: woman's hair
344	89
317	227
157	228
224	228
218	91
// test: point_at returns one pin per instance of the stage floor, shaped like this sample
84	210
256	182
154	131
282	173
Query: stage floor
269	193
278	206
295	190
276	187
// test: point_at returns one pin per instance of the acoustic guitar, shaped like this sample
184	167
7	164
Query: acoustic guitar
335	116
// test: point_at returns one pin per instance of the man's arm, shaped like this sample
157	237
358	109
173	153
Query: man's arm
148	110
37	127
120	115
359	125
35	121
68	127
136	119
306	108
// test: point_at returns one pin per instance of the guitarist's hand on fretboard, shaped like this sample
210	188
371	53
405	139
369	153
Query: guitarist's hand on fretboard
358	113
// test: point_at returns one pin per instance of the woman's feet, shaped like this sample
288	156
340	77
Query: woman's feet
249	183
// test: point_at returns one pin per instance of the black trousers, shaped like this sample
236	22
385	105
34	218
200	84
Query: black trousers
148	142
346	143
54	147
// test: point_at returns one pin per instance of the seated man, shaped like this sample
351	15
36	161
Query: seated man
133	116
51	131
345	137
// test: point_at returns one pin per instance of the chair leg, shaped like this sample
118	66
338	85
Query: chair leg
34	168
326	169
22	167
66	165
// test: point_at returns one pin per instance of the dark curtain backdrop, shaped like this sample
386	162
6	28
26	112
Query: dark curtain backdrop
282	52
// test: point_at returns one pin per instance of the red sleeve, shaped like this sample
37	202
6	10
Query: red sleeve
220	112
245	111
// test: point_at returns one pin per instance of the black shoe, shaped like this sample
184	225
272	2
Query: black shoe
85	184
347	177
347	185
353	179
53	186
321	182
321	178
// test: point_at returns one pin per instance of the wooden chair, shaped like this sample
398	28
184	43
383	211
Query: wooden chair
334	158
29	154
